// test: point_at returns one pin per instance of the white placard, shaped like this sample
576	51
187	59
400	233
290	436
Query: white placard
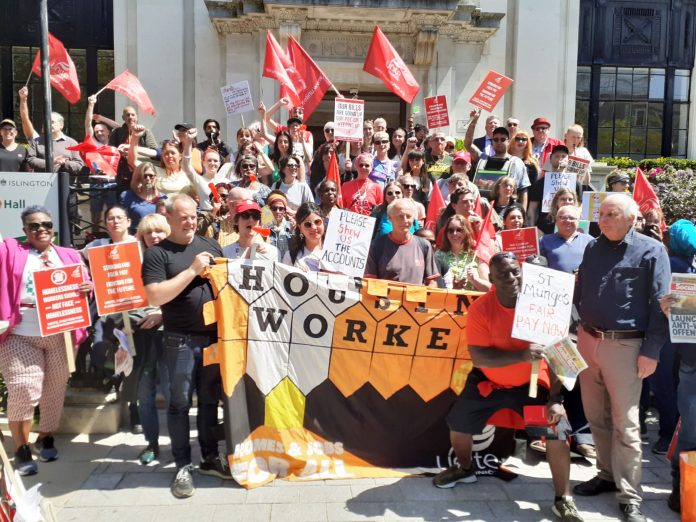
237	98
347	242
542	312
591	202
554	181
19	190
348	119
682	314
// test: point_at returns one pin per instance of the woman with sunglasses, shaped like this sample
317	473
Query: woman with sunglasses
250	245
384	170
282	225
521	146
409	186
307	240
246	169
466	270
361	195
142	197
297	191
416	167
34	368
392	191
210	222
171	177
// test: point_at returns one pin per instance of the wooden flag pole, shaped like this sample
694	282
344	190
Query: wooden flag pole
534	377
100	91
336	91
69	352
129	332
28	78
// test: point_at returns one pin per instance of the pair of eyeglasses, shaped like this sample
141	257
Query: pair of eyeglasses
394	193
567	218
292	166
34	227
116	218
455	230
541	129
278	209
380	142
248	166
313	224
250	215
500	140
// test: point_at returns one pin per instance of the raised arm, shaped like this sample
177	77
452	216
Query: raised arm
469	136
264	125
201	184
133	138
27	126
89	115
284	102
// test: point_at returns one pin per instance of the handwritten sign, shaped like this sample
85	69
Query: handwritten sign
347	242
492	88
436	112
682	315
523	242
237	98
348	119
60	305
554	181
542	312
578	165
118	286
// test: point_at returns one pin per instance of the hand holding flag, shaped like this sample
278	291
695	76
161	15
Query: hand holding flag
128	84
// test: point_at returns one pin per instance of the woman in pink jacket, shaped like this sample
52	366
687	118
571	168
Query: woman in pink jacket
35	368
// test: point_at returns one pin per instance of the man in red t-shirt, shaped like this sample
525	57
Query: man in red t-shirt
500	379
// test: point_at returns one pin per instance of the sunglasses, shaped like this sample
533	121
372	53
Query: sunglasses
394	193
521	139
381	142
365	165
329	130
500	140
34	227
312	224
222	196
249	215
292	166
278	209
455	230
145	176
409	186
248	166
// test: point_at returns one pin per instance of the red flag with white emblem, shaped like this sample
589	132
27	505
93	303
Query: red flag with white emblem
385	63
62	70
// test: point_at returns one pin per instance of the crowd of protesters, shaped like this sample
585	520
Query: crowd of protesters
269	197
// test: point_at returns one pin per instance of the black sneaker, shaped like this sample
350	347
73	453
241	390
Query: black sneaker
453	475
24	463
45	449
674	501
594	486
631	513
215	466
662	446
182	485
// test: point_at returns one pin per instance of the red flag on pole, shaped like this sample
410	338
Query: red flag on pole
62	69
102	158
385	63
277	65
437	203
128	84
313	83
485	242
644	194
333	174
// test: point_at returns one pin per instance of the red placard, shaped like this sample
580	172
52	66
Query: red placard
60	305
436	112
492	88
115	269
523	242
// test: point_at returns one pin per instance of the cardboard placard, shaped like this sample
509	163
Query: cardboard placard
348	119
492	88
436	112
347	242
542	312
554	181
236	98
523	242
115	269
60	305
682	314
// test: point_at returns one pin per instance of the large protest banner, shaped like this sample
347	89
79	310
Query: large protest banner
682	315
335	377
347	242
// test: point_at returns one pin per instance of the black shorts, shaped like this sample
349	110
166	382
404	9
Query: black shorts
471	411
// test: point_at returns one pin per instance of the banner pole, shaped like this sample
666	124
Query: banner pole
241	116
69	351
336	91
28	78
534	377
100	91
129	332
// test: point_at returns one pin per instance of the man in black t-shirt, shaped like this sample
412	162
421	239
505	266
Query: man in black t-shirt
172	277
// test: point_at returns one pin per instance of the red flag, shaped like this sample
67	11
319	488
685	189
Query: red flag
437	203
385	63
477	206
644	195
128	84
313	82
333	174
62	70
277	65
485	242
102	158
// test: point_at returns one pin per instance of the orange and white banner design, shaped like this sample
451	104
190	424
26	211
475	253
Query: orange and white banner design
329	376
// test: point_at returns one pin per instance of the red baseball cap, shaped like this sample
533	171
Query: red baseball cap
246	205
462	156
541	121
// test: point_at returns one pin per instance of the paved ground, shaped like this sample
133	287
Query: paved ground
98	479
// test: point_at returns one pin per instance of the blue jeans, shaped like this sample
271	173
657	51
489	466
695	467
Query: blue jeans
183	355
662	384
686	400
154	367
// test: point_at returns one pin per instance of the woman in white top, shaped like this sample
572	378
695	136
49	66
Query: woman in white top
307	239
297	191
247	218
